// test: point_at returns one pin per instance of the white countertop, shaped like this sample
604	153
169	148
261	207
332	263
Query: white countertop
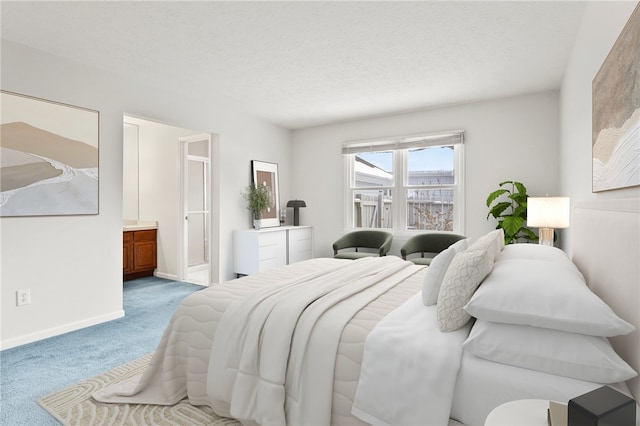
138	225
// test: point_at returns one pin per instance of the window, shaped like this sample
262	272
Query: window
405	184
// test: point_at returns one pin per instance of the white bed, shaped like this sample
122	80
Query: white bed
181	364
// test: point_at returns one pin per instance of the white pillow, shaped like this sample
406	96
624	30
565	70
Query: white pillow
533	252
578	356
493	242
544	294
500	239
466	271
435	272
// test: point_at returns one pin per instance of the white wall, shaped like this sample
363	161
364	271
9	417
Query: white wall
130	181
506	139
601	25
73	264
159	188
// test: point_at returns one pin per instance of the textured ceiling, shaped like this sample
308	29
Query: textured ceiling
300	64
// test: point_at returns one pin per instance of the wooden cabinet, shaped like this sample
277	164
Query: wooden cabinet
127	252
139	253
256	251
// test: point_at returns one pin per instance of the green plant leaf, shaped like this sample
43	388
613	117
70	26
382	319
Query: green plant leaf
495	194
512	224
496	211
521	188
512	221
258	197
529	234
520	211
518	198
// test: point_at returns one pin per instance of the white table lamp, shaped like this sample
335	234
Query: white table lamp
548	213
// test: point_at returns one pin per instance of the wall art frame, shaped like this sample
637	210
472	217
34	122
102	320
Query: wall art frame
616	113
266	174
50	158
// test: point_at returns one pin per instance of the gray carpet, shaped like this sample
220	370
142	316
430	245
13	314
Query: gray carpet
32	371
73	406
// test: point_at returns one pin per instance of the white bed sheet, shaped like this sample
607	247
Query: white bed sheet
483	385
409	368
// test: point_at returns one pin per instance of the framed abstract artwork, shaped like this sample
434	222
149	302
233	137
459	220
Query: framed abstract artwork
48	158
616	113
266	174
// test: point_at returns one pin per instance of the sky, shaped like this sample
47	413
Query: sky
435	158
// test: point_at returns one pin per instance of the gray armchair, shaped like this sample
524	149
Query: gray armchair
428	245
379	241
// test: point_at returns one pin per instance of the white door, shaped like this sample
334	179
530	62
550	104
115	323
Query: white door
196	209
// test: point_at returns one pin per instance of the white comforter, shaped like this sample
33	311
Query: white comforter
409	368
274	351
179	367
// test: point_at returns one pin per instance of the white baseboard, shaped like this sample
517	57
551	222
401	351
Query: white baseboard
200	267
56	331
166	276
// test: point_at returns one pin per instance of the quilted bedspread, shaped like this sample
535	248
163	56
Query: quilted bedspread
180	365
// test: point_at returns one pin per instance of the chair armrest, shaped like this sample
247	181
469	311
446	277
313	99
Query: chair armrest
410	246
386	246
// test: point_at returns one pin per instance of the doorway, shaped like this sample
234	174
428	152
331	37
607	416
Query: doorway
195	176
154	181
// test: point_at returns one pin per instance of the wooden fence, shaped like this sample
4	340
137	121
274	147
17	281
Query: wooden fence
374	211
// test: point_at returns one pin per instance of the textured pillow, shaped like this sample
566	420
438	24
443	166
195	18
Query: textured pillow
544	294
466	271
500	239
493	242
533	252
435	272
578	356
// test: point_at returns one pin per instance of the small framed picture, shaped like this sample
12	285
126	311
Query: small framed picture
266	174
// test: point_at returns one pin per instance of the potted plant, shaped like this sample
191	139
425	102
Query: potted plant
511	212
259	199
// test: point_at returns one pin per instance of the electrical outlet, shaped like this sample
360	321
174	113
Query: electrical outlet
23	297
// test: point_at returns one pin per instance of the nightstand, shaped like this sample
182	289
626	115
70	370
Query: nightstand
523	412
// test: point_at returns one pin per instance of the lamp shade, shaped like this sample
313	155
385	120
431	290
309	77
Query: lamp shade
296	203
548	212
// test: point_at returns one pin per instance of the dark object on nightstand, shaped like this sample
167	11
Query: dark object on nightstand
602	407
296	204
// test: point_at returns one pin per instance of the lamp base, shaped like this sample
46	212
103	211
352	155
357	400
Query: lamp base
545	236
296	216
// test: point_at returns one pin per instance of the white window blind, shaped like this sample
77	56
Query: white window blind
404	142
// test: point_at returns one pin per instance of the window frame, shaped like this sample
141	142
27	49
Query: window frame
401	185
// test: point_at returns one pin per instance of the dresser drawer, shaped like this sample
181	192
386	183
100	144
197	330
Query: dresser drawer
147	235
267	252
268	239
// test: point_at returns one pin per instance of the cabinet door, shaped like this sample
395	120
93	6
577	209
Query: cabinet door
144	256
144	250
127	252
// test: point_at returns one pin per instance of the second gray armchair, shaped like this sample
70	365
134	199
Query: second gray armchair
428	246
377	242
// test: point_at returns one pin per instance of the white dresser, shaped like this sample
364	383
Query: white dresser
256	251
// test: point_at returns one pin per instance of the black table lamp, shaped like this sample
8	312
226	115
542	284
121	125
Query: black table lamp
296	204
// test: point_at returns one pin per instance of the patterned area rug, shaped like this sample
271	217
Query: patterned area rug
74	405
